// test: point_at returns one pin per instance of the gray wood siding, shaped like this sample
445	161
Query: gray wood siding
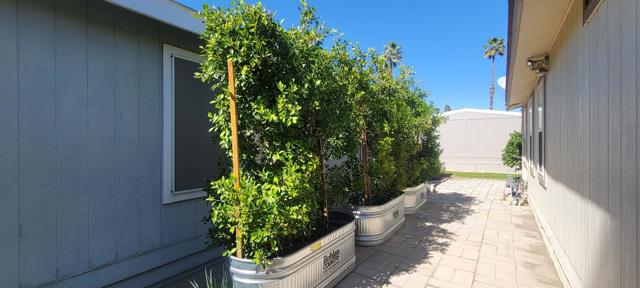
589	206
9	147
81	147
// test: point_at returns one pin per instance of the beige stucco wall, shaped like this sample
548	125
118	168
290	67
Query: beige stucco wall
472	139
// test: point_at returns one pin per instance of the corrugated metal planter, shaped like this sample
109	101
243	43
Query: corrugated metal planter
431	186
414	198
321	264
374	224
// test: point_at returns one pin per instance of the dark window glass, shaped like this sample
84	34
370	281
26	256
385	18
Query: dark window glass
196	151
589	8
540	150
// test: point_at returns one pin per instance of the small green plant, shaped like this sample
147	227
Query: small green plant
512	153
210	281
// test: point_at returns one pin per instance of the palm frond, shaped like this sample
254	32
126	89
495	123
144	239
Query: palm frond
494	47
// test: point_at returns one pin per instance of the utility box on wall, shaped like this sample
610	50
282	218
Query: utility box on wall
472	140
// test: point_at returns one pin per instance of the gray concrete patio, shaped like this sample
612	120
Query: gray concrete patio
466	236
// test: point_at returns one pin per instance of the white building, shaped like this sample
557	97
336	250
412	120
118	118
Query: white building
472	140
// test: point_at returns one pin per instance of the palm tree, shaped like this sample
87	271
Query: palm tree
393	54
493	48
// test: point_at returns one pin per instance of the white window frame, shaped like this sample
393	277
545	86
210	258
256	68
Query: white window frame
525	133
169	195
540	102
530	138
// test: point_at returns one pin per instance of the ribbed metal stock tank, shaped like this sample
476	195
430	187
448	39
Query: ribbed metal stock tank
431	186
374	224
414	198
323	263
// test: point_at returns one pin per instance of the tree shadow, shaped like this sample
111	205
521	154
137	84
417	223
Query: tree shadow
415	249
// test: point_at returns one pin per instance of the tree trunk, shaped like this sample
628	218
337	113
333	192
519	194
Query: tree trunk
492	90
390	67
313	131
323	189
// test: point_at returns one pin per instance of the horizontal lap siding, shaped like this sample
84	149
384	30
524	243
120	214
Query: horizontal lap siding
590	201
80	115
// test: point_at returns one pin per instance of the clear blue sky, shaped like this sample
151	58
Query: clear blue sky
442	40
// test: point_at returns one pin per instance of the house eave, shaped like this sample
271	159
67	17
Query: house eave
166	11
533	28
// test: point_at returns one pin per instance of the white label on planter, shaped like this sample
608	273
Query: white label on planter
330	260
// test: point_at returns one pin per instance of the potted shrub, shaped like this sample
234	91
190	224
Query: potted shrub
426	151
272	217
372	177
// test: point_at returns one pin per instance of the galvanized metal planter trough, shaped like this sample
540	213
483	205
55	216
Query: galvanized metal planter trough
414	198
323	263
374	224
431	186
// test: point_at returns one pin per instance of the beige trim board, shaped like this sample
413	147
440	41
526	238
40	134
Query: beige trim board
566	272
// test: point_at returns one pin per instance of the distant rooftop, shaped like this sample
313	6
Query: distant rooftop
510	113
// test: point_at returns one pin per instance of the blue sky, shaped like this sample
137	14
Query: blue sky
442	40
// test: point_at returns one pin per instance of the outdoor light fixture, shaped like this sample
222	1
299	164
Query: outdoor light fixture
539	64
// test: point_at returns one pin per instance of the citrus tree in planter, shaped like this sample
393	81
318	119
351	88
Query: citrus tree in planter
315	125
276	204
392	115
293	112
423	162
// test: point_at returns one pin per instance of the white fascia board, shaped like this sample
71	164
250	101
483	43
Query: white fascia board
166	11
509	113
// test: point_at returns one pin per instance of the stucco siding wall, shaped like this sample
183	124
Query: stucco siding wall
589	206
80	151
473	141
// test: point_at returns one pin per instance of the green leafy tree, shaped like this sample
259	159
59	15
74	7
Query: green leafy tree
493	48
447	108
394	121
317	124
277	203
512	153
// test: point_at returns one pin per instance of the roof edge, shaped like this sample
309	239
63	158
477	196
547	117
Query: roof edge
167	11
486	111
512	34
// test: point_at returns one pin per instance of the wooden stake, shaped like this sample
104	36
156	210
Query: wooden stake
234	145
365	165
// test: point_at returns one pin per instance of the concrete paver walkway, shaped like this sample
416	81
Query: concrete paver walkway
466	236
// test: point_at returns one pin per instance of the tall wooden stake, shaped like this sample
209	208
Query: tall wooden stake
234	145
365	165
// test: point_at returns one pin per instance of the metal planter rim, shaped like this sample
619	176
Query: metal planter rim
245	272
374	224
415	198
376	209
415	189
